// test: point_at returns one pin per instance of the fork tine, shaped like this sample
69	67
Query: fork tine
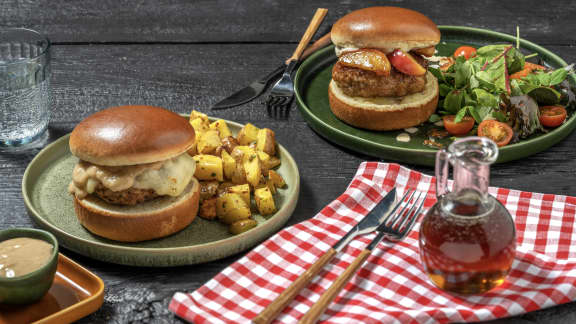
413	219
402	211
405	219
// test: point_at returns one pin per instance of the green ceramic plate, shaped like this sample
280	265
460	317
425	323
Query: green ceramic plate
313	76
45	192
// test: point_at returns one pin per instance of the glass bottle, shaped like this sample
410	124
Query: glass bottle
467	239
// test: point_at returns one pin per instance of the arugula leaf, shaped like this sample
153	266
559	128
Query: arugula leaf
444	89
557	76
500	116
494	76
461	114
463	74
437	73
485	98
453	101
515	87
474	113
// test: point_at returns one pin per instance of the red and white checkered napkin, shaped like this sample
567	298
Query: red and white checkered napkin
391	287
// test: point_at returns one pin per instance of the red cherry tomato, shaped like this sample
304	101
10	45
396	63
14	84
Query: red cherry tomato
552	116
466	51
499	132
458	129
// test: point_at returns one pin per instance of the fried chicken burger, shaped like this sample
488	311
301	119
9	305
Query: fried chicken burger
380	81
134	180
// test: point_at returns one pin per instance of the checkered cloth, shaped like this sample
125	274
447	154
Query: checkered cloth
392	287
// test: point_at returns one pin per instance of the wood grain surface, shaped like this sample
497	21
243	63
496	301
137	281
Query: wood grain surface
186	55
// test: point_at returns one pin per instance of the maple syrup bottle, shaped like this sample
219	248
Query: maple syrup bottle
467	239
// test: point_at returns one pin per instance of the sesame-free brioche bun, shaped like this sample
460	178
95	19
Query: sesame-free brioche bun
385	113
129	135
145	221
385	28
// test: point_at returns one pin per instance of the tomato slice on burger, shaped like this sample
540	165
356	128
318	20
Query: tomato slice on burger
499	132
552	116
466	51
458	129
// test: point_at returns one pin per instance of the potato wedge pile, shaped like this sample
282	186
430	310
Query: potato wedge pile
236	173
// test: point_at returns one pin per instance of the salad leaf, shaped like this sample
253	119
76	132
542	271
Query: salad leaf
557	76
524	115
434	118
485	98
453	101
444	89
514	58
493	78
461	113
463	74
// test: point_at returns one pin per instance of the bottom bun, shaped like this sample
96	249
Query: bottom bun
145	221
385	113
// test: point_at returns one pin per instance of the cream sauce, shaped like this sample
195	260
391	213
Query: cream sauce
169	177
23	255
403	137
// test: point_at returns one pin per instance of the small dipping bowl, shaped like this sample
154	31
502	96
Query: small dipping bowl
30	287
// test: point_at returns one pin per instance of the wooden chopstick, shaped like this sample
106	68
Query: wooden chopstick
310	31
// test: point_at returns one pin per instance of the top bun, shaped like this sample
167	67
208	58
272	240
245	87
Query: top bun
129	135
385	28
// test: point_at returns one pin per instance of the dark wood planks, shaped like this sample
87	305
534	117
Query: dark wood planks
262	21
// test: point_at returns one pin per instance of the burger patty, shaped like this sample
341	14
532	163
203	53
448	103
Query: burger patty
356	82
130	197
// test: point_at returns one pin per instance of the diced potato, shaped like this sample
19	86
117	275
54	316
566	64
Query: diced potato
242	226
265	159
240	150
208	189
200	126
248	134
243	190
231	207
208	167
196	114
266	142
264	201
252	168
229	143
208	209
223	188
273	162
229	164
239	175
222	128
208	142
276	179
271	186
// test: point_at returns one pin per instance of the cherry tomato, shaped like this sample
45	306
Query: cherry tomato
552	116
466	51
458	129
499	132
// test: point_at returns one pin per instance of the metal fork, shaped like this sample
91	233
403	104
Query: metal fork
283	91
395	228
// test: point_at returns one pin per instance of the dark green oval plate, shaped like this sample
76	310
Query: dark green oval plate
314	74
45	191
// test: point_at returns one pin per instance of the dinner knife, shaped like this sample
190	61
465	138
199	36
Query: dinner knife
368	224
256	88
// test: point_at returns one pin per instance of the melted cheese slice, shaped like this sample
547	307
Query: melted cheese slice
171	179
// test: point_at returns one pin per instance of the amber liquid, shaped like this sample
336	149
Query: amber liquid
467	247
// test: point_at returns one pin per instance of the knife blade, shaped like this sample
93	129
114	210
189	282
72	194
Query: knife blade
369	223
255	89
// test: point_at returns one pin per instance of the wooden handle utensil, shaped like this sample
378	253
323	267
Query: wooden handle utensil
318	44
310	31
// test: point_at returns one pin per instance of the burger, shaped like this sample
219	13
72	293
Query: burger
134	180
380	81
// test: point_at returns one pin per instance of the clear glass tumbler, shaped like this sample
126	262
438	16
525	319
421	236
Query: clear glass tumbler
24	87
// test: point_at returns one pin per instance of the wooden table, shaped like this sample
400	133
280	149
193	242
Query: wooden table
186	55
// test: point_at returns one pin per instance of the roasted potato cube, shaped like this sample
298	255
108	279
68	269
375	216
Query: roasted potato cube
208	189
231	207
200	126
248	134
264	201
239	175
208	209
223	188
208	142
209	167
271	186
222	128
229	143
242	226
243	190
229	164
273	162
265	159
276	179
252	168
266	142
240	150
196	114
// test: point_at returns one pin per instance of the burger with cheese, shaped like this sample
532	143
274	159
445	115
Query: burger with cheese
134	180
380	81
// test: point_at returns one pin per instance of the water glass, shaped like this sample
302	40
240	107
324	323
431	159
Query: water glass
24	87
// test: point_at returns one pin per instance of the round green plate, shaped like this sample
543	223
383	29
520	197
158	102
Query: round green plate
314	74
45	191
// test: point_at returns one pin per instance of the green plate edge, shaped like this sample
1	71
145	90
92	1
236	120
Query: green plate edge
158	257
425	156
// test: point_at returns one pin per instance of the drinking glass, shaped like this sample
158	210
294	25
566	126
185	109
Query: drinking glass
24	88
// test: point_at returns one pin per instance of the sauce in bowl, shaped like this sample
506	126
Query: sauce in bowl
23	255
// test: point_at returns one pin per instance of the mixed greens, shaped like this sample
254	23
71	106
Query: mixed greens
496	83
